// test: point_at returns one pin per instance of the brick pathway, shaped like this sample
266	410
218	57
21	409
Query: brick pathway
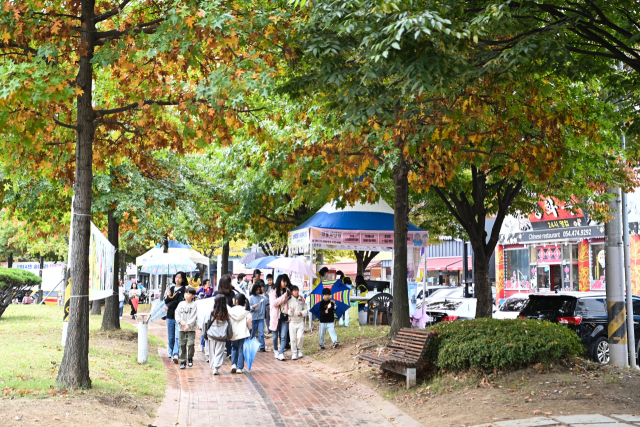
278	394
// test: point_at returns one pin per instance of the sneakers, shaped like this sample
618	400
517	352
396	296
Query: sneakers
300	355
239	371
183	365
262	350
275	353
294	357
207	360
281	357
176	359
190	363
322	347
335	344
233	369
215	371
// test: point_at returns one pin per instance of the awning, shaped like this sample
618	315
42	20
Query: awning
450	264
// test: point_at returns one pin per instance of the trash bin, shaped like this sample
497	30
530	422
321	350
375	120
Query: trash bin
362	317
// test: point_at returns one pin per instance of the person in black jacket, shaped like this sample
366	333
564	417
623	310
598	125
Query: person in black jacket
327	309
175	295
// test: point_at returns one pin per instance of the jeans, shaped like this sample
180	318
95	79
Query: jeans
237	353
174	342
324	327
282	332
121	307
187	345
257	328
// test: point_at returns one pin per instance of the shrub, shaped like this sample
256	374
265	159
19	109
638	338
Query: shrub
486	344
14	280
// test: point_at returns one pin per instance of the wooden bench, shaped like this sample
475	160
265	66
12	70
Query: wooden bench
406	355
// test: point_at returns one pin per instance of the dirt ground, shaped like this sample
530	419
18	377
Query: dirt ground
77	410
574	387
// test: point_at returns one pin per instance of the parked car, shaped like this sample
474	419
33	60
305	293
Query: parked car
435	293
511	307
585	313
450	309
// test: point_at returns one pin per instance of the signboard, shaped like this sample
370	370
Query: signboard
101	255
363	238
578	233
556	214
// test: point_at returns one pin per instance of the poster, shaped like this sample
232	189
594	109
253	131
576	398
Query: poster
413	295
101	255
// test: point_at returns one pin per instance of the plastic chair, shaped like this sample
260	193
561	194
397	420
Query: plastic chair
381	303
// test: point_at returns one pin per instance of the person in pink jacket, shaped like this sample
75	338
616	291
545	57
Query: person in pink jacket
278	300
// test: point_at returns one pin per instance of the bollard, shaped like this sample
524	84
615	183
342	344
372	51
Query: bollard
143	337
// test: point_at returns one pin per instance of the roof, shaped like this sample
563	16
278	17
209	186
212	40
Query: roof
361	216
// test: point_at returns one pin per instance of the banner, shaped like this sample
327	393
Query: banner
101	255
322	238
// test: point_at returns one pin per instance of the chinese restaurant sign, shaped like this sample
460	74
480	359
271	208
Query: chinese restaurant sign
557	214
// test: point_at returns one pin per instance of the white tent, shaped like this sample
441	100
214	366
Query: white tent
175	248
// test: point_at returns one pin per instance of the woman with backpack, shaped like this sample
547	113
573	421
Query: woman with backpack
217	331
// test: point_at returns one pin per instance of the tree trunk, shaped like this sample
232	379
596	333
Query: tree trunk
401	316
74	368
111	318
484	306
363	258
224	268
123	260
96	307
10	261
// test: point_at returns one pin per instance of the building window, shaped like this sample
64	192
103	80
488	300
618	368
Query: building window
517	269
597	266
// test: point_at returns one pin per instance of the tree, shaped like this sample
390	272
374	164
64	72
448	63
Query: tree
113	78
12	281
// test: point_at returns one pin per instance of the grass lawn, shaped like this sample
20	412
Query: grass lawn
31	335
354	331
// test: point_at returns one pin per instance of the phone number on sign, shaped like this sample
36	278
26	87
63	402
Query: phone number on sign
577	233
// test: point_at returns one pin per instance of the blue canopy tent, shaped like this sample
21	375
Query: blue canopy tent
361	227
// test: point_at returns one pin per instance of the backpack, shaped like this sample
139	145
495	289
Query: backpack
219	330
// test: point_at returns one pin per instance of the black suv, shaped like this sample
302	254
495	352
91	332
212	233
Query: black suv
585	313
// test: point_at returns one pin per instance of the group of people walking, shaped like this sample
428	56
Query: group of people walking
240	312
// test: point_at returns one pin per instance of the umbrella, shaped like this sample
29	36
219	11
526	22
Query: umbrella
340	293
204	307
250	350
167	264
251	257
157	310
293	266
262	262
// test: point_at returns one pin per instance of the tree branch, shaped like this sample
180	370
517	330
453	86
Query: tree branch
112	12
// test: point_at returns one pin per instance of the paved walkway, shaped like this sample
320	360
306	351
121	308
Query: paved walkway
585	420
277	394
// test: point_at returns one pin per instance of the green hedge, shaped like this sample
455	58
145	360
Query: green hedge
18	278
487	344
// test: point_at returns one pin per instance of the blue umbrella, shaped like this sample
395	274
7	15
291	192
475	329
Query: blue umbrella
250	350
262	262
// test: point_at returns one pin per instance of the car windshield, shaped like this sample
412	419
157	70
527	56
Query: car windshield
442	293
443	305
515	304
561	305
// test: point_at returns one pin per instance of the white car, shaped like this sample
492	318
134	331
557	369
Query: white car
511	307
441	294
450	309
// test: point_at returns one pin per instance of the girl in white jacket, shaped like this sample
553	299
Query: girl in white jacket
238	318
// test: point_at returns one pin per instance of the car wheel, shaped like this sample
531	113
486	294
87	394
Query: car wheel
601	350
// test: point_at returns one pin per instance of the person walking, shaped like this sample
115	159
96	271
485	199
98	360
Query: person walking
175	295
297	312
203	293
217	331
327	309
278	298
226	289
134	297
238	318
258	304
187	319
267	314
121	292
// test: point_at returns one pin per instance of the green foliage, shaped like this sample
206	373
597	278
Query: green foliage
486	344
17	278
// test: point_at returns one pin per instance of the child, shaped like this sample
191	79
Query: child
258	306
187	318
327	307
217	330
297	311
267	313
279	318
238	318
